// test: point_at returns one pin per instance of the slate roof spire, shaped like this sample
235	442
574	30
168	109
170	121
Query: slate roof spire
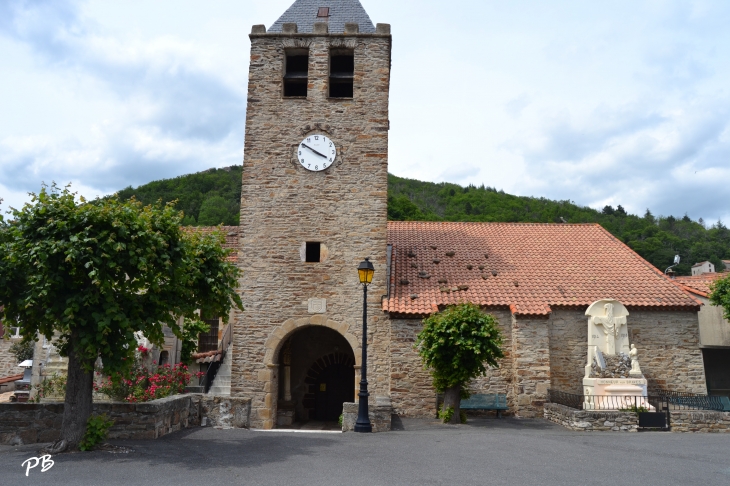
304	14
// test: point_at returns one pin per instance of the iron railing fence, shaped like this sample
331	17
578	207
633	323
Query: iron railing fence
673	401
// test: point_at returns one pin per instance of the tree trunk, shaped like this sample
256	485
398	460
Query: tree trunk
79	401
452	398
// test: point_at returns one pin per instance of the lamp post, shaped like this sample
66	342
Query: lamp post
365	270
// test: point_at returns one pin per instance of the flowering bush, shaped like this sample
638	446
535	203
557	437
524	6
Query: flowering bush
53	387
142	385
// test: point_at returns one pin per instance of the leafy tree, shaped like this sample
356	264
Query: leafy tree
456	344
720	295
402	209
214	211
191	193
93	273
192	329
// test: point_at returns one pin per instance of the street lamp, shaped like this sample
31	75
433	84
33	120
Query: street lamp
365	270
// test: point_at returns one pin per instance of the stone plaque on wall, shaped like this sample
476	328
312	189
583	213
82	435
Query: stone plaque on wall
317	306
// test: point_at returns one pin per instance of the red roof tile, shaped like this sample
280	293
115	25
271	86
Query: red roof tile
528	268
699	284
230	232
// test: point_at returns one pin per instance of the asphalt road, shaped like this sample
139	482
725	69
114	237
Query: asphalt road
486	451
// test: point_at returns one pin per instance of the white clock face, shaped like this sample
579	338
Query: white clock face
316	153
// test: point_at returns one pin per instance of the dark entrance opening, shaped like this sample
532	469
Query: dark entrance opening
333	386
717	371
321	371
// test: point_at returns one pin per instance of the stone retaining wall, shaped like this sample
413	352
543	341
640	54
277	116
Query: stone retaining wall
681	421
380	417
589	420
28	423
700	421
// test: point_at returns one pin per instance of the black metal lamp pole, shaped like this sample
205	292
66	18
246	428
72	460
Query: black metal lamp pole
365	271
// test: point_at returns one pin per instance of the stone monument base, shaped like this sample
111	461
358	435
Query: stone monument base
615	393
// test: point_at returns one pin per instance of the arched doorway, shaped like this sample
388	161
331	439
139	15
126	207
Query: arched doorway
319	366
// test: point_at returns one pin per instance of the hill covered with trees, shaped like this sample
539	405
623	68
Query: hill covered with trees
213	197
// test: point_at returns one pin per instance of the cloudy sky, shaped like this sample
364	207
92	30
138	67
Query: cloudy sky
621	102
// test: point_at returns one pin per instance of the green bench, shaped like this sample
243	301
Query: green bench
486	401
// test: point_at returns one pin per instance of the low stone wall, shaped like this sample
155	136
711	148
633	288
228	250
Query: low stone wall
225	412
591	420
681	421
380	417
700	421
28	423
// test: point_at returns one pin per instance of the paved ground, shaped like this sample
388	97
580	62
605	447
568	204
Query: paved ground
487	451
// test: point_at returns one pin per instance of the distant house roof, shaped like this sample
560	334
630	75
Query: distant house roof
304	14
231	233
699	284
528	268
699	264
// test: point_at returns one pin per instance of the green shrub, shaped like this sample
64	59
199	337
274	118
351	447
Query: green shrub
634	409
97	430
22	350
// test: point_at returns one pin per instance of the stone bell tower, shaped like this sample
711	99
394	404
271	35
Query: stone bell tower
313	206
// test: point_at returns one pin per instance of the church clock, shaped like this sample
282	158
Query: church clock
316	152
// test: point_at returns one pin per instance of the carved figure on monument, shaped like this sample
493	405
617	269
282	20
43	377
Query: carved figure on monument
634	355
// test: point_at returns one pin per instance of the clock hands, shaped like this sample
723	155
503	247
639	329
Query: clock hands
310	148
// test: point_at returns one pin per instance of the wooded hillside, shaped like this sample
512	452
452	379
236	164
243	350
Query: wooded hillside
213	197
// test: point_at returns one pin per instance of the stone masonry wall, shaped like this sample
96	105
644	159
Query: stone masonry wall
669	349
380	417
29	423
668	344
412	393
700	421
590	421
542	353
283	206
8	363
531	365
568	349
705	421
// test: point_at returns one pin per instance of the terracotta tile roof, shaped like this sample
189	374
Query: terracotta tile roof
9	379
528	268
231	233
699	284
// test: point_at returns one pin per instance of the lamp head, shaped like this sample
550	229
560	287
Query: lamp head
366	270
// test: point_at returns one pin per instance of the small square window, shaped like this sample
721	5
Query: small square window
323	12
313	252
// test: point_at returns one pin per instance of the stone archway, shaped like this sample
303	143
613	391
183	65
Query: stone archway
281	334
273	357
